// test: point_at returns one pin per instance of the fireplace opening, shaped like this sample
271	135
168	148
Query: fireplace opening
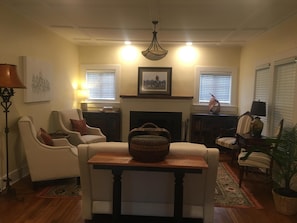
172	121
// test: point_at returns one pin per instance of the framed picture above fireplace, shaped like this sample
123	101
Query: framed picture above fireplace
154	81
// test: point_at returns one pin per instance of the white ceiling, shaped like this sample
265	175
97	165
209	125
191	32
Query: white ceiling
93	22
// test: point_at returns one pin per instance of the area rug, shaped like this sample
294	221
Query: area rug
63	189
229	194
227	191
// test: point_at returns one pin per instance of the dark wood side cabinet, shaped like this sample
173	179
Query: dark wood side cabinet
206	127
108	122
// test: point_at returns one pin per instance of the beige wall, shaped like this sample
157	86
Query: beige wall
20	37
281	42
182	71
183	75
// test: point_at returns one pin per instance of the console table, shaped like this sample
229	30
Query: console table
179	165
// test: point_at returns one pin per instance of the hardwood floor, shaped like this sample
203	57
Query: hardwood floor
32	209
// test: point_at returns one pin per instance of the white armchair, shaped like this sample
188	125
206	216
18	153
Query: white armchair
63	123
47	162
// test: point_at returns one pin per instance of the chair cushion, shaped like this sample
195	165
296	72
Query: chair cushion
93	138
227	142
255	159
79	126
44	137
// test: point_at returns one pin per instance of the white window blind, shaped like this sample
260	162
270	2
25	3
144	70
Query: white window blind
285	91
263	85
217	84
101	84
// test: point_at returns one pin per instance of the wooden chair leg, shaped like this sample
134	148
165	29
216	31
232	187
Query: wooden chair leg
241	173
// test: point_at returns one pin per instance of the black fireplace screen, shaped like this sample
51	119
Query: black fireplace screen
172	121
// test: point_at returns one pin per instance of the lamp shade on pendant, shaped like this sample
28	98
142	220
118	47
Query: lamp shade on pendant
154	51
9	77
258	108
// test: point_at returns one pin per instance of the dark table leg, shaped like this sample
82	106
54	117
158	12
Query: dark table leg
117	194
178	196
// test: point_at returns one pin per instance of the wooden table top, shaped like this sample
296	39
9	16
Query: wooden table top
171	161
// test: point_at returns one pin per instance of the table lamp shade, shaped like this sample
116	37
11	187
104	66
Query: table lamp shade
258	108
9	77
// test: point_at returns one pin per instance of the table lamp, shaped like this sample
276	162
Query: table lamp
258	109
8	80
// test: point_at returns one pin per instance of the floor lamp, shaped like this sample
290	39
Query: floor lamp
8	80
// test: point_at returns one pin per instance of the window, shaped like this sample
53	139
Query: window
284	91
102	82
216	81
216	84
263	83
276	85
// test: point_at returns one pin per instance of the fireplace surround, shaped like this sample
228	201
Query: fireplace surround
172	121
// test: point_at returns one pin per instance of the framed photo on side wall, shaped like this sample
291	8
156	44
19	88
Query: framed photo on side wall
154	81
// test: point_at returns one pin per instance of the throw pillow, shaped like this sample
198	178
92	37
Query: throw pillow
44	137
79	126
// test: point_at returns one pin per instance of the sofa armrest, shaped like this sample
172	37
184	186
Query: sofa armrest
213	162
85	178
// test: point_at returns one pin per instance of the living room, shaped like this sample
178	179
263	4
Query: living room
23	37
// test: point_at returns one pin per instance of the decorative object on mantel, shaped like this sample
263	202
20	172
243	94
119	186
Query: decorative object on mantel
154	81
214	105
258	109
8	80
154	51
149	143
158	97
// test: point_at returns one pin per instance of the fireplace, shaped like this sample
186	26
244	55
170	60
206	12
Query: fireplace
172	121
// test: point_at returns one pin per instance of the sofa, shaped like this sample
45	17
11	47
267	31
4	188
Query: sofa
148	193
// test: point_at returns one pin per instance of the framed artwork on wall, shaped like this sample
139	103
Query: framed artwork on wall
37	77
154	81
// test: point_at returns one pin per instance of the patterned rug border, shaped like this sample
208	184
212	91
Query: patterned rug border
69	189
47	192
243	189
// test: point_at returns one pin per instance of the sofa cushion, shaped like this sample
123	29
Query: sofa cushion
44	137
79	126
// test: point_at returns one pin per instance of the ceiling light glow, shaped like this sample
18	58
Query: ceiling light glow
187	54
129	53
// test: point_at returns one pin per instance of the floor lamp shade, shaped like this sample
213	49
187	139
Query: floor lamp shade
8	80
9	77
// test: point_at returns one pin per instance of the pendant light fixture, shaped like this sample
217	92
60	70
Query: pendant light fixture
154	51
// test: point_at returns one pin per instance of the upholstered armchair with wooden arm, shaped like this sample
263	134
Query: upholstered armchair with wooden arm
228	138
259	156
71	122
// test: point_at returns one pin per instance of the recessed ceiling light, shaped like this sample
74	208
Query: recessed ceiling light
128	42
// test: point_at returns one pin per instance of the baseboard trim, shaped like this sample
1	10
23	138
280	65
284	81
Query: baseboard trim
15	176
